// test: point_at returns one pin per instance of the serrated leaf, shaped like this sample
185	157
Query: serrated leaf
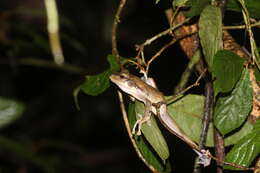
10	110
147	152
232	110
152	133
246	150
226	68
97	84
210	32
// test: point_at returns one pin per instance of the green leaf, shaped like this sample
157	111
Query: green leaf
234	138
232	110
152	133
210	32
187	112
253	7
227	68
10	110
179	3
246	150
147	152
114	66
97	84
257	74
196	7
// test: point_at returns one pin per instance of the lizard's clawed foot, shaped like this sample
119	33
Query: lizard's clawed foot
138	124
204	157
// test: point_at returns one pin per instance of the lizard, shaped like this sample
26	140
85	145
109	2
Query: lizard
155	103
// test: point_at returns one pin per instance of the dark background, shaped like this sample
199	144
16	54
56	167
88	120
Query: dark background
93	139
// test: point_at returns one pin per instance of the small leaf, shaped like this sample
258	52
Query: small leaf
10	110
246	150
232	110
147	152
197	7
226	68
210	32
114	66
179	3
97	84
152	133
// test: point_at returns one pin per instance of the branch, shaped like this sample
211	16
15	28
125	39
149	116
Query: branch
114	29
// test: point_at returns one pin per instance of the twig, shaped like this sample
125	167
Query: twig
114	30
186	89
150	40
242	26
186	74
254	50
159	53
129	132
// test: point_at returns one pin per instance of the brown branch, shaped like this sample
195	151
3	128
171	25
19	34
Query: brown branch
219	150
114	29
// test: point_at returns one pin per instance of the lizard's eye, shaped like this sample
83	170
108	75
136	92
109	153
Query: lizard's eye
122	76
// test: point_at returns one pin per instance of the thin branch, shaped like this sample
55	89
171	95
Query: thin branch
257	24
219	149
186	74
159	53
173	98
152	39
114	29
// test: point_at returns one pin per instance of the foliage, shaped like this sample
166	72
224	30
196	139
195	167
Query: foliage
47	113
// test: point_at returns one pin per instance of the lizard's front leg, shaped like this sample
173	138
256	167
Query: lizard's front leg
143	119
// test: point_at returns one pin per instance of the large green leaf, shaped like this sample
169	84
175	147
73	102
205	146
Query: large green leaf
226	68
246	150
210	32
10	110
152	133
232	110
96	84
146	150
187	112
